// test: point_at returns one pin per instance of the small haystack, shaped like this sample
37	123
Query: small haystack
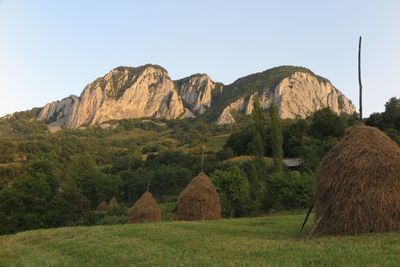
145	209
102	207
357	187
199	200
113	202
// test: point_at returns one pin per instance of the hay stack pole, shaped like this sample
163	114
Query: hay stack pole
306	218
359	76
148	186
202	170
202	158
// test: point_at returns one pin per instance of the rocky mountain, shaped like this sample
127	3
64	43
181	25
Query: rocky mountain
197	92
297	92
148	91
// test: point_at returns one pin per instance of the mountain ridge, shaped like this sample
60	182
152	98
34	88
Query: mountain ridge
148	91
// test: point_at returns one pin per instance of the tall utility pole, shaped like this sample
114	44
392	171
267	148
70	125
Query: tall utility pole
359	76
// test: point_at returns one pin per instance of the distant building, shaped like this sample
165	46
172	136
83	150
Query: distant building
294	163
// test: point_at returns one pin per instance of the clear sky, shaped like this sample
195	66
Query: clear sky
51	49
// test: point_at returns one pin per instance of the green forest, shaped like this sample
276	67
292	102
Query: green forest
59	179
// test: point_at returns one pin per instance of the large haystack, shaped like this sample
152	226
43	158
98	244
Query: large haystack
199	200
357	186
145	209
102	207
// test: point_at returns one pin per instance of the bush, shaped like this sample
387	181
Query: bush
225	153
290	190
326	123
234	190
117	210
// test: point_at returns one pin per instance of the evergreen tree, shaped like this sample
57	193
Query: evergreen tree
277	139
259	122
259	130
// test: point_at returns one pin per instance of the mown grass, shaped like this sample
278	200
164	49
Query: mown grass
263	241
238	159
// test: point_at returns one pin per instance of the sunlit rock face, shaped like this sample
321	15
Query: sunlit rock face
148	92
124	92
196	92
299	95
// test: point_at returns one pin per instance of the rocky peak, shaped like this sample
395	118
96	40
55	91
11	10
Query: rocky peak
148	91
196	92
297	95
57	110
124	92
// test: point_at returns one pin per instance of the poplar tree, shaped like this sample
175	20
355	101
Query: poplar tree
259	128
277	139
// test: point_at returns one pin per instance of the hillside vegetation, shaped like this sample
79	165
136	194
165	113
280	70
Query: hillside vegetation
55	180
264	241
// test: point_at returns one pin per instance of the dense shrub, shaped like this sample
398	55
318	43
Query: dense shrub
290	190
234	190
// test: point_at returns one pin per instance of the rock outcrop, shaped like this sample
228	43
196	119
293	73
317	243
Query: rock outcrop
148	91
124	92
58	110
196	92
298	95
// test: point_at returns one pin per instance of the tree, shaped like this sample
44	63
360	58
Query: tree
277	139
94	185
259	121
326	123
391	116
257	186
295	136
134	183
234	189
259	132
388	121
240	140
289	190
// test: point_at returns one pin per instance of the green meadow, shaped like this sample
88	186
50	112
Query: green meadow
263	241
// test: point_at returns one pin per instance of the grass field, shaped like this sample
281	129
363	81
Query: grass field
238	159
263	241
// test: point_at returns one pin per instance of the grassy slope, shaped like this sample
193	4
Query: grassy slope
268	160
263	241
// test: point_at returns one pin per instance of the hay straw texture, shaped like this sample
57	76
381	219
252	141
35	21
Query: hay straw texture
199	200
102	206
145	209
113	202
357	186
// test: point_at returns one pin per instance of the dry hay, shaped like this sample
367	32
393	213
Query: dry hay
102	207
113	202
199	200
357	187
145	209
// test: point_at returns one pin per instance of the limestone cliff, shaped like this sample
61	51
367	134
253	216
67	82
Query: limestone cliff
148	91
300	94
196	92
124	92
58	110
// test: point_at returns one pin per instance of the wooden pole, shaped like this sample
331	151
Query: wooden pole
314	227
306	218
359	76
202	212
202	157
148	185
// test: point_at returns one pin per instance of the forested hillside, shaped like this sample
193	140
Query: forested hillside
58	179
